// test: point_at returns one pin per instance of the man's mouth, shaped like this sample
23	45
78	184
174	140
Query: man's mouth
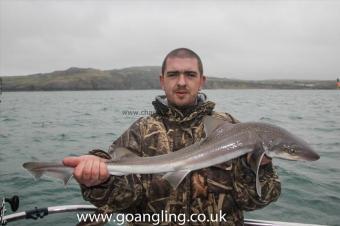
181	93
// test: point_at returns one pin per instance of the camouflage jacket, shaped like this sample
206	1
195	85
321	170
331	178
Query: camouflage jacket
229	187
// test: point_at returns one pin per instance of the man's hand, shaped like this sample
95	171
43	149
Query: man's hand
89	170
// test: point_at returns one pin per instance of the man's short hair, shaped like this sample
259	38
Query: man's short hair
183	53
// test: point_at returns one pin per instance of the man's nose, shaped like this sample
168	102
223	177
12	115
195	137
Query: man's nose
181	80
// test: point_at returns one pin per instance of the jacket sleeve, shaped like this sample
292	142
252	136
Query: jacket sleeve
245	189
118	193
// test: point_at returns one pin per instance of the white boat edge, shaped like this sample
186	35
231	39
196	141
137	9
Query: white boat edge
277	223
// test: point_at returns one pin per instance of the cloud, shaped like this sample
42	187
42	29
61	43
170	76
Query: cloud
240	39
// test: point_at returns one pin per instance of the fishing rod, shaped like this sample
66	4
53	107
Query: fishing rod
36	213
14	203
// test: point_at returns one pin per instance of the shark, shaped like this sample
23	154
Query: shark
223	142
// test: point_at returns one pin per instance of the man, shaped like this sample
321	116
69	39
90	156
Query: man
177	123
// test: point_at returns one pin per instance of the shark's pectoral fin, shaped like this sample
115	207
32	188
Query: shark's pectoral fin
50	169
255	163
175	178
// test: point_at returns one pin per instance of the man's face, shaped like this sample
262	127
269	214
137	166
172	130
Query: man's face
181	81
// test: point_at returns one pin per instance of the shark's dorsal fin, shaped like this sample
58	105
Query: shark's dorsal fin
210	124
120	153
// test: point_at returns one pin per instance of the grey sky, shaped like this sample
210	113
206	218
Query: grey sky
236	39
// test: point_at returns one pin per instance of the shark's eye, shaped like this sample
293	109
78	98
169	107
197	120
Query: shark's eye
291	150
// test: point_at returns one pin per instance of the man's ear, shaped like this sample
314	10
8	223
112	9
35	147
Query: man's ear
203	80
161	81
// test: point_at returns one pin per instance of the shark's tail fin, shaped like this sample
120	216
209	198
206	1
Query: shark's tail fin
50	169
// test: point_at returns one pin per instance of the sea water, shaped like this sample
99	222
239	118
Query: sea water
46	126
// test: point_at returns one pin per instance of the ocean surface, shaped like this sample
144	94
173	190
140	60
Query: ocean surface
38	126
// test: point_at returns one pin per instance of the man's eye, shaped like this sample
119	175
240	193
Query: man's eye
171	74
191	74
